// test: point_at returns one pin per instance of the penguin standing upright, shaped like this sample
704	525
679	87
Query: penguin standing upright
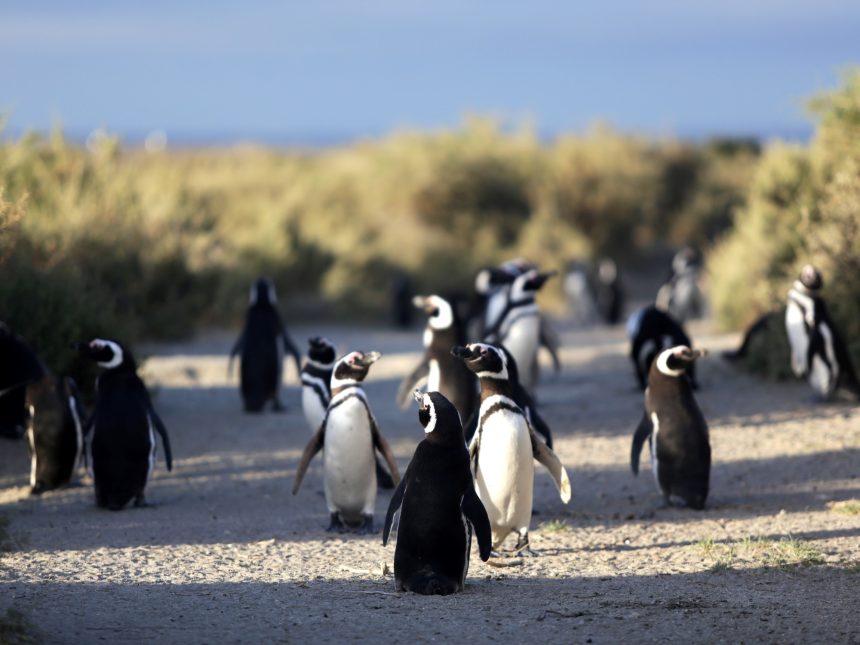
350	434
651	331
19	366
438	506
503	448
261	350
55	433
519	326
123	425
442	372
678	433
817	349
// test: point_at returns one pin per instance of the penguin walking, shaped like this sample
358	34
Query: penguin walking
818	352
261	351
350	434
316	393
438	506
123	426
19	366
651	331
438	368
676	430
503	448
55	432
521	397
520	327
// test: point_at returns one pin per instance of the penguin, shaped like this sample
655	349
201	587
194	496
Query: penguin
55	432
521	397
438	506
19	366
261	353
519	326
123	424
758	329
350	434
676	429
651	331
316	393
818	352
581	293
609	293
503	448
441	371
681	296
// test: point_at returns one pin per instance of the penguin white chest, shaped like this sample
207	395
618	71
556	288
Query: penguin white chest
313	407
504	478
522	339
655	464
434	377
798	338
348	462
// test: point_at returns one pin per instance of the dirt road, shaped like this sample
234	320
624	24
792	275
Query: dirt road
227	555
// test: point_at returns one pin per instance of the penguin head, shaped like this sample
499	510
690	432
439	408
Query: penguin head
438	417
439	311
321	351
607	271
529	283
491	280
675	361
810	279
107	353
486	361
263	293
353	368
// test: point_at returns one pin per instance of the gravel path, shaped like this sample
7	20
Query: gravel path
227	555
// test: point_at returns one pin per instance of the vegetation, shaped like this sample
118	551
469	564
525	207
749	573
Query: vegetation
785	553
131	244
803	207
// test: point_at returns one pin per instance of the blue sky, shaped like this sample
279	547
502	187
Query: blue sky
311	71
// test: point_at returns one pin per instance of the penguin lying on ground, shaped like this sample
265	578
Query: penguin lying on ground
261	351
349	434
818	352
651	331
55	432
316	392
760	326
678	433
442	372
522	398
19	366
123	425
438	506
519	325
503	449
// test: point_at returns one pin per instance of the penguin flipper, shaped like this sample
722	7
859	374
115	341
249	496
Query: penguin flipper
545	456
237	347
290	347
475	512
540	426
313	447
471	426
384	449
416	379
159	426
643	431
393	507
550	340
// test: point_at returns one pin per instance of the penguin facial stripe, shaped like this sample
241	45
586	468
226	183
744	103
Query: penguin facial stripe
431	425
320	366
444	318
116	359
663	366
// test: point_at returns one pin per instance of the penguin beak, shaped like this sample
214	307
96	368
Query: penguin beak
696	354
418	395
540	279
419	301
368	358
464	353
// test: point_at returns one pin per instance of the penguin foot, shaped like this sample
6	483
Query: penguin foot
528	551
366	527
523	542
38	489
336	525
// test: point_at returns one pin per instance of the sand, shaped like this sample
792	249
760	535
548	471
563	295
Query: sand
227	555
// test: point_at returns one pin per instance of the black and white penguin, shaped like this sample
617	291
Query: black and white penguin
350	434
262	343
681	296
123	426
316	393
818	352
438	368
651	331
438	506
55	432
608	291
521	397
678	433
504	447
19	366
520	327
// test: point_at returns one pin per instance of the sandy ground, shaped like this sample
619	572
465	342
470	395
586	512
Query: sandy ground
226	554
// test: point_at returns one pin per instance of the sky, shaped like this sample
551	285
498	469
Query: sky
306	72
